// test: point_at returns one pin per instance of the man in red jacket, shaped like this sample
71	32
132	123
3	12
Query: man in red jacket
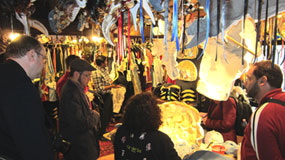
264	136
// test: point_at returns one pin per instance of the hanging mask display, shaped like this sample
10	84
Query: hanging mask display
64	13
187	71
59	17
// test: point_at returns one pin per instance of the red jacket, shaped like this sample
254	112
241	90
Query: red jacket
61	82
223	119
270	134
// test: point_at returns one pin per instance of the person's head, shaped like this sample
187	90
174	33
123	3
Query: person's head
142	113
29	53
262	78
80	71
69	59
100	61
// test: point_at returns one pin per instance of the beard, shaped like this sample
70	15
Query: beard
253	91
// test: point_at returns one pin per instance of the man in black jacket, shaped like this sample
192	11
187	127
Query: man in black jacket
77	121
23	135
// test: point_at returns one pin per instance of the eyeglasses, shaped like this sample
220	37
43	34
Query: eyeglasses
251	77
44	57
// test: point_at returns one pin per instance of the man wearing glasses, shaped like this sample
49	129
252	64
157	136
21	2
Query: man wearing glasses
264	136
23	135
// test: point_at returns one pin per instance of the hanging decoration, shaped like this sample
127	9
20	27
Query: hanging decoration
208	27
234	12
22	17
212	73
182	25
166	4
64	13
175	24
120	38
109	21
22	10
244	17
265	28
223	27
275	34
95	9
141	20
134	12
258	27
198	22
38	26
218	26
151	34
129	37
187	71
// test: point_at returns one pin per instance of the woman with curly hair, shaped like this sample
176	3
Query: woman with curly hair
139	138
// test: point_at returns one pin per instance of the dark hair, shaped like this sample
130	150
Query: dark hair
273	73
69	59
100	59
21	45
142	113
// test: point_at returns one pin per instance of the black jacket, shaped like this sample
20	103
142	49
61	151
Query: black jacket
23	135
77	123
154	145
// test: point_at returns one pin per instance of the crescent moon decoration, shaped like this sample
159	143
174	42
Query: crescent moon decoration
39	26
109	20
134	12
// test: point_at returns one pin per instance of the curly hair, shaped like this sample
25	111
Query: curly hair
272	72
142	113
